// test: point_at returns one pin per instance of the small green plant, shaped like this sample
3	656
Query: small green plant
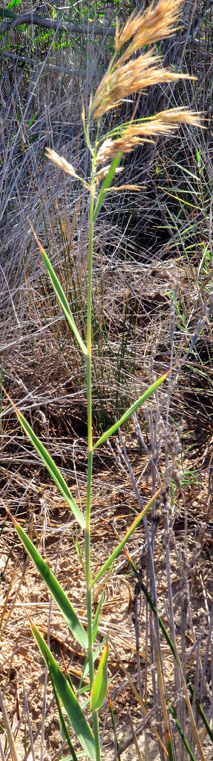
127	74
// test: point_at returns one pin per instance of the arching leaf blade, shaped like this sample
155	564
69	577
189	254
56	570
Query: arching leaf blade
52	468
63	726
60	597
131	409
129	532
106	184
67	697
61	297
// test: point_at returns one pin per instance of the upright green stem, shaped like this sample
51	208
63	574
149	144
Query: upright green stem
89	467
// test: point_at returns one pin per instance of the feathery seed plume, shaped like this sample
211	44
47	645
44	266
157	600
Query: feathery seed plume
143	131
127	75
62	163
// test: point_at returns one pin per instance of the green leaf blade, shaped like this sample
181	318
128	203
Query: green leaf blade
13	4
68	698
5	13
96	617
131	409
99	687
61	297
129	532
53	470
63	301
106	184
63	727
185	741
60	597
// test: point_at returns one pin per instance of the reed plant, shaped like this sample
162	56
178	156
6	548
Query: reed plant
129	73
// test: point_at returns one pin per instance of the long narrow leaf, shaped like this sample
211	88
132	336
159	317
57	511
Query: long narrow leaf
132	528
69	700
55	588
185	741
4	12
160	621
131	409
63	726
106	184
99	687
61	297
160	678
201	712
52	468
96	617
186	171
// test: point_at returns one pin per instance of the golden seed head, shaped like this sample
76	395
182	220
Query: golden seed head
61	162
127	75
143	131
151	26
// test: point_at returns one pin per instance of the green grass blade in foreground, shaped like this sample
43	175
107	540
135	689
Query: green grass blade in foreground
55	588
63	726
131	409
97	616
106	184
132	528
99	687
201	711
185	741
61	297
52	468
67	697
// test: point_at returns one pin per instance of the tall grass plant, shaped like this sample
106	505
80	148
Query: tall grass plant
127	74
